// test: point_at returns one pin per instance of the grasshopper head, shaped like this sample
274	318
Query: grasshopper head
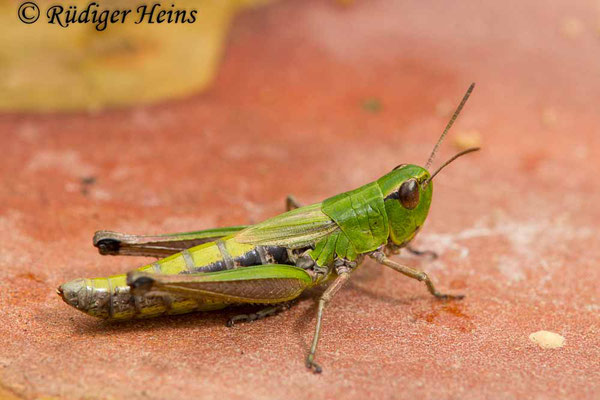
407	191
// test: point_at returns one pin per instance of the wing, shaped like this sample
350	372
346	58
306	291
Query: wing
294	229
115	243
269	283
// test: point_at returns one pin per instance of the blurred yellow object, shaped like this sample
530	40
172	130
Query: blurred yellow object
467	139
45	67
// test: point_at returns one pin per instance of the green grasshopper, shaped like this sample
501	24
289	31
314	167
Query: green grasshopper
272	262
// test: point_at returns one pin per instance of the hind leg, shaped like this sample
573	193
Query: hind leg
263	313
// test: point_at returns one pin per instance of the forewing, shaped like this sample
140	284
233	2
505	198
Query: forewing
123	244
294	229
270	283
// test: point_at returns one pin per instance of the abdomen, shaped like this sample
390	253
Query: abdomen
110	298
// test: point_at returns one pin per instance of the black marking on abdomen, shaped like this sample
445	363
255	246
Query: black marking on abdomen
248	259
260	255
277	255
213	267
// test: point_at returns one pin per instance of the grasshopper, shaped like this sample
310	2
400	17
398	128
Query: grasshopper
270	263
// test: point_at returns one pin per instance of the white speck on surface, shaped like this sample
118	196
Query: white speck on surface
547	339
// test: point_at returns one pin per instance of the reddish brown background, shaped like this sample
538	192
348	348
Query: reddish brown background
516	225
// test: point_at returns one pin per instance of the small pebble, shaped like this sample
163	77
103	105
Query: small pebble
547	340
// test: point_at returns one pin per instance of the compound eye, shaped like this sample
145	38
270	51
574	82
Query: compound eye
409	194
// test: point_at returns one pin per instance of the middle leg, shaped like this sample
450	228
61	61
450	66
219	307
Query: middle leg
323	301
421	276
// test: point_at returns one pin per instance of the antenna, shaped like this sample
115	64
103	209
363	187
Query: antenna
450	123
462	153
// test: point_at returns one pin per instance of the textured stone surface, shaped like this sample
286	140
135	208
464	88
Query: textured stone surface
314	98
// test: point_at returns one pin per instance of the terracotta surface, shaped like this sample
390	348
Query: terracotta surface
516	225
